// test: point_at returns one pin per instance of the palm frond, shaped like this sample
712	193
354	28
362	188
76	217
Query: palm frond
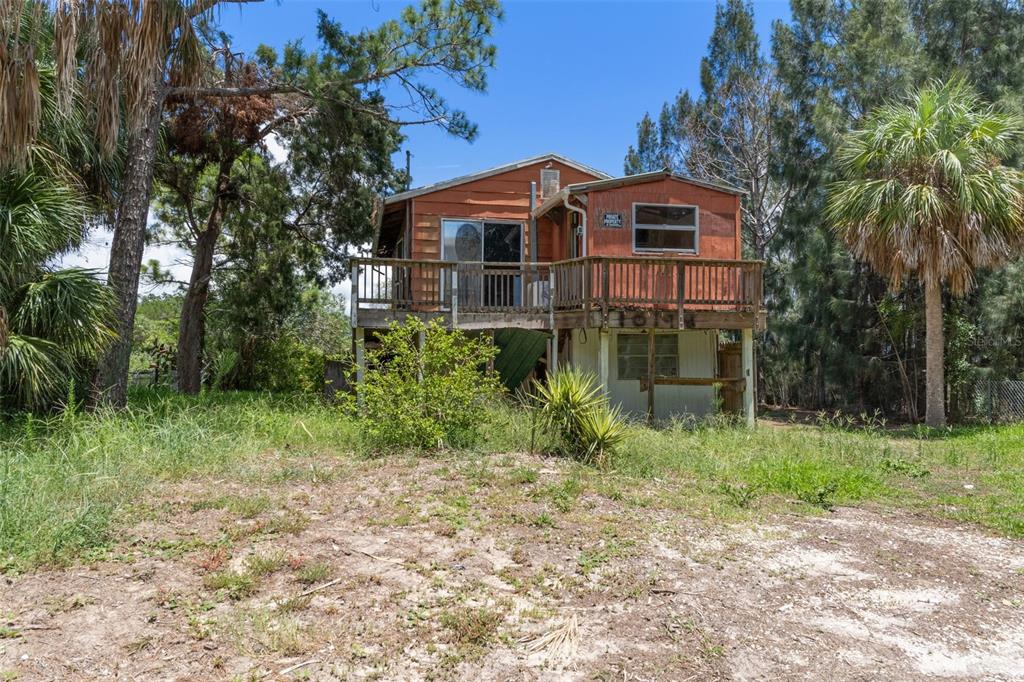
69	307
31	370
39	218
923	193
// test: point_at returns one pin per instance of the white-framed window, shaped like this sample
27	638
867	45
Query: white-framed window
631	355
665	227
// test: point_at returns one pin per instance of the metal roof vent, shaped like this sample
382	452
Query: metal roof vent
550	182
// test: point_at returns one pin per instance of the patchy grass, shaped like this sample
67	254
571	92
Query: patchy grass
245	507
68	482
314	573
233	584
472	626
970	474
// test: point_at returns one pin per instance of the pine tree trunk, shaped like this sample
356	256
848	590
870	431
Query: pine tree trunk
111	383
192	327
935	380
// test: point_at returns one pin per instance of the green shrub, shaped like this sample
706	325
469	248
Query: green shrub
286	364
426	397
576	413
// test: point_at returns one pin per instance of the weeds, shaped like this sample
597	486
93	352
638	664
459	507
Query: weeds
314	573
473	627
235	585
259	565
66	482
69	482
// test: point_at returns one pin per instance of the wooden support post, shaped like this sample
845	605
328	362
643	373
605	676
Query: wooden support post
359	335
553	341
553	352
650	374
747	358
603	355
490	360
354	303
421	342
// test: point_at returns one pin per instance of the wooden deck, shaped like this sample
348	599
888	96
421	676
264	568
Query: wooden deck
682	293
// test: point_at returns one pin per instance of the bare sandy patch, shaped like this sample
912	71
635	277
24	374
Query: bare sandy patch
404	570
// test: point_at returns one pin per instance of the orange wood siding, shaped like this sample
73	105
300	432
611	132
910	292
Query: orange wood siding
547	249
505	196
719	218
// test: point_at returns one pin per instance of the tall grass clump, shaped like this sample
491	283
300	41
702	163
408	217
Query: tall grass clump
575	413
429	395
66	480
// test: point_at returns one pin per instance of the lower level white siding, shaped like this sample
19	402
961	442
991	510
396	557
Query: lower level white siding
698	357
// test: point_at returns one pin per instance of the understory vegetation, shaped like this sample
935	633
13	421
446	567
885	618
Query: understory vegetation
424	394
67	483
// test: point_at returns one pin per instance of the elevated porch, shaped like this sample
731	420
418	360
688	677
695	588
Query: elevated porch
590	292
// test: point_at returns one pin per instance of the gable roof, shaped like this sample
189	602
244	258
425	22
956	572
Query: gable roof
515	165
626	180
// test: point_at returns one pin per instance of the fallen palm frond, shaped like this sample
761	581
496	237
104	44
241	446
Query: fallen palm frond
558	644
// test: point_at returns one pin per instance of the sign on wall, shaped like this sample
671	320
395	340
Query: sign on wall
611	219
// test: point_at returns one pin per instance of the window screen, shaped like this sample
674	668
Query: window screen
632	355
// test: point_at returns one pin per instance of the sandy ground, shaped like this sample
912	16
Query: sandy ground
456	570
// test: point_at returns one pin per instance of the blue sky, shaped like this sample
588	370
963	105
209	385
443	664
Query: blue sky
572	76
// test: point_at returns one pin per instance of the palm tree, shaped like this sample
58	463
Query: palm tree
52	322
925	195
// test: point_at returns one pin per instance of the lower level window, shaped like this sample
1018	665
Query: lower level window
632	355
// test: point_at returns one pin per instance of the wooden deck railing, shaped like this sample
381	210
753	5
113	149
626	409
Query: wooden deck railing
582	284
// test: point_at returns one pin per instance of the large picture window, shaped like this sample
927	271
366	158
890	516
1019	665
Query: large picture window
477	240
472	241
660	227
631	350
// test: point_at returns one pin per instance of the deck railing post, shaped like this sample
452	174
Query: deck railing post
587	276
455	296
551	300
605	291
354	315
681	291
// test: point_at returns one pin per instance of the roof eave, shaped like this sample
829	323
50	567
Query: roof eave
515	165
651	176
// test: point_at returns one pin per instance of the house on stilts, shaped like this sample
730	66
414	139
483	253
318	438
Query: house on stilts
639	279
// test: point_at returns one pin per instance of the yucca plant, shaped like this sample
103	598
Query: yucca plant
602	430
575	411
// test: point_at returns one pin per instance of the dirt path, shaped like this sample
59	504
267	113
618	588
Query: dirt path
513	570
